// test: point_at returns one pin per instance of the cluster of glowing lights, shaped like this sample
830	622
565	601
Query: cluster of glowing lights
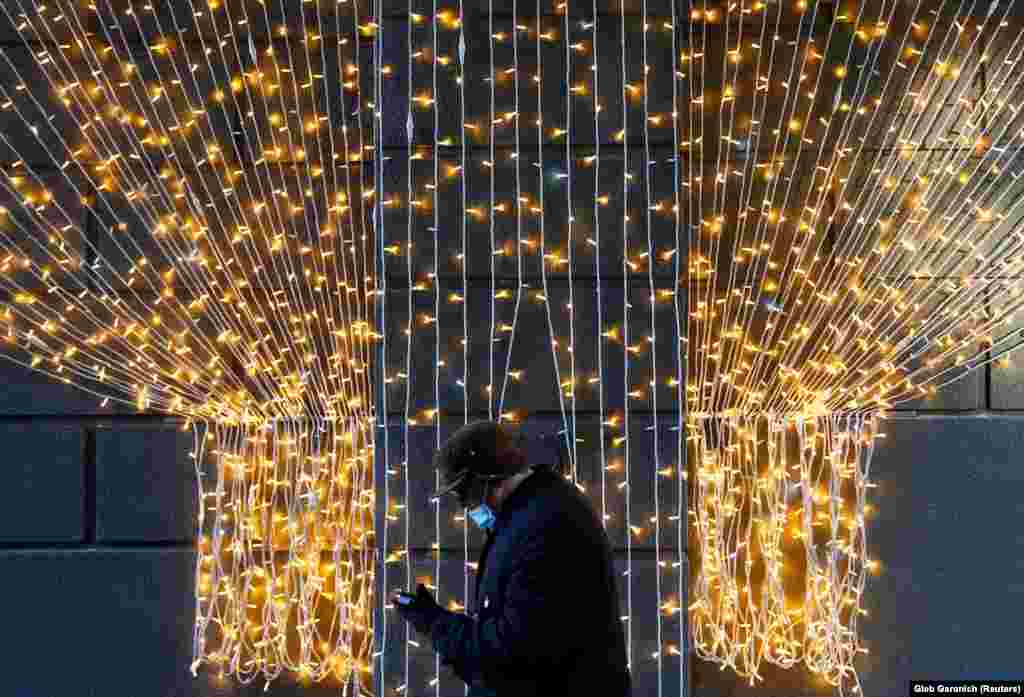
285	572
779	508
192	194
185	229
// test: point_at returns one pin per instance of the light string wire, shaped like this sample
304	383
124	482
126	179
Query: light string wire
435	277
380	417
295	296
461	518
492	118
968	297
732	56
410	327
5	56
862	93
965	297
749	315
648	184
681	517
545	295
519	209
569	165
714	253
154	200
890	164
600	341
265	360
31	301
628	573
372	27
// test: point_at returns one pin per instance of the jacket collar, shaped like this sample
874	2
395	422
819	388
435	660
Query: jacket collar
522	493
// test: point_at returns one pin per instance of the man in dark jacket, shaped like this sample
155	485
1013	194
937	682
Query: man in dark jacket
547	618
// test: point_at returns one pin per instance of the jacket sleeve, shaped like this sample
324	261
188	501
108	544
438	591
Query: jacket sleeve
535	619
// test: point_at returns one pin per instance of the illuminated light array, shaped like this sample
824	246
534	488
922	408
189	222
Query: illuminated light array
184	230
465	297
625	486
821	185
853	275
681	516
782	568
444	25
853	244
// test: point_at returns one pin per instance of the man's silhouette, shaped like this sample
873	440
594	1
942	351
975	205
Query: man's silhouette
546	618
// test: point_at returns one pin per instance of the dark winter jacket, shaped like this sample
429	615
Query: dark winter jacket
547	618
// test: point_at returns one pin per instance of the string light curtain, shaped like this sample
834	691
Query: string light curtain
837	218
185	228
193	192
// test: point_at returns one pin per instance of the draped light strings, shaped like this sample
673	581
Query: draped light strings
681	470
184	228
822	185
515	118
195	374
791	609
855	275
263	555
381	413
436	281
571	435
464	381
648	164
208	150
624	486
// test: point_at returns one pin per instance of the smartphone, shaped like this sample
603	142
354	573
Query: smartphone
405	598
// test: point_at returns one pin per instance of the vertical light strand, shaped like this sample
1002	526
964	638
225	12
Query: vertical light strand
696	138
625	341
519	209
436	25
601	338
491	211
149	213
362	147
380	426
648	183
328	184
751	176
692	238
409	134
465	296
569	165
295	94
682	516
546	295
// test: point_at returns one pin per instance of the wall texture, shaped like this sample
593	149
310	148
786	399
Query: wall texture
97	524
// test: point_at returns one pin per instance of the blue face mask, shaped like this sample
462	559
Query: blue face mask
483	516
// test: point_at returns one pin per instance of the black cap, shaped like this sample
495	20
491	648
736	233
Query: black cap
473	448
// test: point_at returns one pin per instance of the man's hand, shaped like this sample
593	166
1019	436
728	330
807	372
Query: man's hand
421	611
